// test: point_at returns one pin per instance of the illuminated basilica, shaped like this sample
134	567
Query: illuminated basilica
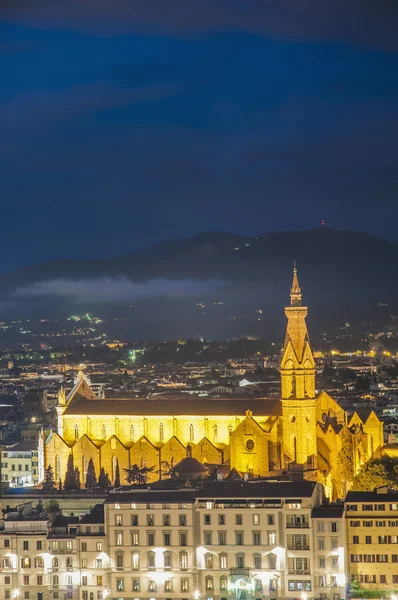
304	433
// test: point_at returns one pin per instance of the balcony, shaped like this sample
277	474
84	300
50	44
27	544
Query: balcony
297	525
297	547
299	571
242	571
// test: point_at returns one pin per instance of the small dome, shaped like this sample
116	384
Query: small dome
190	466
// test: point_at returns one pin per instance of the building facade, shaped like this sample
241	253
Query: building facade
20	464
223	541
372	539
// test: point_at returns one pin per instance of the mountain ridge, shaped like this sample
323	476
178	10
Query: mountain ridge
197	242
338	265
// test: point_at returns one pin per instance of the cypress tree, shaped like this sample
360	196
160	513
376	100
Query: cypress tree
48	483
91	478
70	482
103	479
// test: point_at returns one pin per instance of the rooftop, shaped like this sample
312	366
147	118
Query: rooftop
218	490
172	405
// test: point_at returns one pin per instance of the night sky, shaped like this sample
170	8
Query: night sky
123	123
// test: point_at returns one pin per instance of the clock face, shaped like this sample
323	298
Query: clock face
250	445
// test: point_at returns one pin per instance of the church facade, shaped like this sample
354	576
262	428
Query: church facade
305	433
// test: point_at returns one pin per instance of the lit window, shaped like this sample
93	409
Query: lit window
135	560
120	584
183	560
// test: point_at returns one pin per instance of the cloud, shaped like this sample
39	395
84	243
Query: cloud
366	23
107	289
35	107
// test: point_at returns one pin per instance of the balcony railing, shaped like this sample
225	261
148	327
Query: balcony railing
298	547
244	571
299	571
297	525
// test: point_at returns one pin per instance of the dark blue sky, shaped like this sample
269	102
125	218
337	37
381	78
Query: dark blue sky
126	123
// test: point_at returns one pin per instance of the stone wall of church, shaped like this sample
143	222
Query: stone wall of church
249	448
157	429
56	455
82	451
111	453
205	451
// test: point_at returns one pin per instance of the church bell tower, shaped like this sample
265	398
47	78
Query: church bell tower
297	370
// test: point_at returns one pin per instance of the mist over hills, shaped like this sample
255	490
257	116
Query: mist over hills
158	290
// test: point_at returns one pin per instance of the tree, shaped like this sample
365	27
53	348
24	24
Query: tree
48	484
91	478
374	474
52	506
77	477
103	479
135	474
117	475
70	482
345	463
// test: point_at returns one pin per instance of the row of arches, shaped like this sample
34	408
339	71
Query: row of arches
106	455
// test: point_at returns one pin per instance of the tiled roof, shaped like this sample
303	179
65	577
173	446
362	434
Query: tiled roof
173	405
219	490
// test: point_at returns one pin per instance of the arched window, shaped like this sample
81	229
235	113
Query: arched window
191	433
76	432
215	433
132	433
161	432
54	563
57	467
55	580
69	580
84	467
114	465
208	561
104	432
69	561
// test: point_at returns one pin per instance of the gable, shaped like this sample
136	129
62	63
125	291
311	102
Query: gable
325	405
289	358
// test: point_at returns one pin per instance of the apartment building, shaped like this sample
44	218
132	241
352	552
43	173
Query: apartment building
23	555
152	544
20	464
93	559
226	540
372	538
329	552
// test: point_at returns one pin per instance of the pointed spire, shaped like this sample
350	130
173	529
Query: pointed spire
295	290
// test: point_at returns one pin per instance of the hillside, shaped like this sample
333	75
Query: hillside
336	268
